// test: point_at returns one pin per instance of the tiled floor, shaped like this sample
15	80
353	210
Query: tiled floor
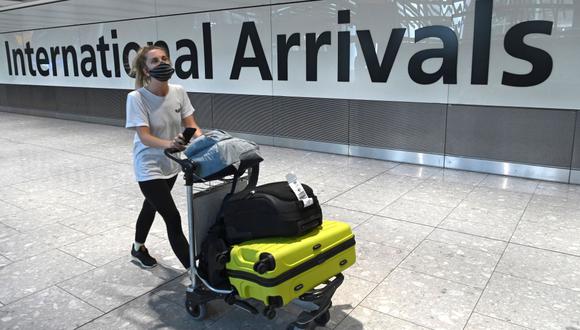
437	249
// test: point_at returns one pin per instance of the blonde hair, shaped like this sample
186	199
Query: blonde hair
139	64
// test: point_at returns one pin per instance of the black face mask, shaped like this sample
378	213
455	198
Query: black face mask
162	72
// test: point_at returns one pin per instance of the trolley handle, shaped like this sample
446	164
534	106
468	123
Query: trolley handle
186	164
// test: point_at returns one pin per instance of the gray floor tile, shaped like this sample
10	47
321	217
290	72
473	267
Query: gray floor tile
365	198
457	176
91	189
7	231
558	189
97	222
472	217
417	171
388	182
31	219
147	312
483	322
530	304
441	194
485	213
570	202
551	215
498	197
105	247
347	297
239	319
416	211
21	246
452	262
365	318
7	209
468	241
117	283
549	237
51	308
541	266
353	218
424	300
510	184
375	261
394	233
4	261
23	278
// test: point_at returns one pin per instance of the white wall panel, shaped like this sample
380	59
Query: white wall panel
169	7
127	32
40	39
225	34
561	88
74	12
379	19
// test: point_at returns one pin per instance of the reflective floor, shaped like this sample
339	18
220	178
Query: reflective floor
437	249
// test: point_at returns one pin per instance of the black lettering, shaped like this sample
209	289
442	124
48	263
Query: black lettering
448	54
380	73
102	48
250	32
207	50
343	47
541	61
42	59
90	60
117	65
8	59
66	51
29	51
313	45
283	46
193	71
15	54
481	42
54	51
130	47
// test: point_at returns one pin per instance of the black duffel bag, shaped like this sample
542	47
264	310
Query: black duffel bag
270	210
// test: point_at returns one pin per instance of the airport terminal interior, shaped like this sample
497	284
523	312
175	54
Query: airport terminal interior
446	134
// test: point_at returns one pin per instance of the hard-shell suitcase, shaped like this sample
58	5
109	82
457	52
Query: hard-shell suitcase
277	270
270	210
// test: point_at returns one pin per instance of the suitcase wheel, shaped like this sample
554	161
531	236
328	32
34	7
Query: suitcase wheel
198	312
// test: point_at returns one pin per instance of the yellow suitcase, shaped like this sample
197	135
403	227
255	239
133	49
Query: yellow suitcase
278	270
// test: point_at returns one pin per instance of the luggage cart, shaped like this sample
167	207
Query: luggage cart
200	219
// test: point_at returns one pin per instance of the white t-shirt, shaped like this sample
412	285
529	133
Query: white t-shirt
163	115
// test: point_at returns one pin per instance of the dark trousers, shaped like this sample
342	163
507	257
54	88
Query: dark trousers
158	199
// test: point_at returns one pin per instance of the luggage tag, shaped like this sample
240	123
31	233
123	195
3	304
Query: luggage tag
298	190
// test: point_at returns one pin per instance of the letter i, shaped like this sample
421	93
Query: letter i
344	47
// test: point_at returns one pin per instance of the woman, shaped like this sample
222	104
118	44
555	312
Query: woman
158	111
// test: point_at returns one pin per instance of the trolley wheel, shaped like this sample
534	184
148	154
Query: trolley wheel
323	319
198	312
294	326
270	313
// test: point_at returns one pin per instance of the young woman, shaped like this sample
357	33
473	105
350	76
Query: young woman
158	111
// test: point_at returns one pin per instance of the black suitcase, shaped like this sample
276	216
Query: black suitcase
270	210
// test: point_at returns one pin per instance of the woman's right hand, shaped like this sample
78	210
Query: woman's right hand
177	143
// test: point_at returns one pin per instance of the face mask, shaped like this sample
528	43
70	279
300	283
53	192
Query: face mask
162	72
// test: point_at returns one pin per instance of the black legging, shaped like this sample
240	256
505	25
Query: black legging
158	198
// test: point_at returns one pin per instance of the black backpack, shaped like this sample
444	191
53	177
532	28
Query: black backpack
270	210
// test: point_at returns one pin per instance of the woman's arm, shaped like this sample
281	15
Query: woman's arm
152	141
189	121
